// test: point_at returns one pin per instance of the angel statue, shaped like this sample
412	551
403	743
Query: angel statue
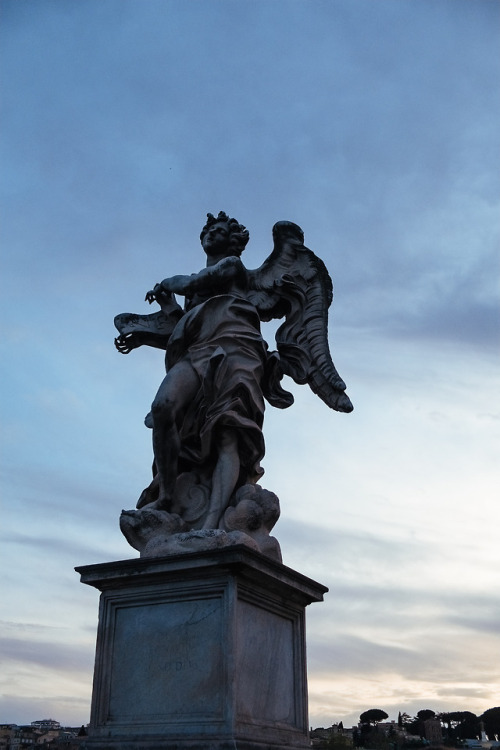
207	416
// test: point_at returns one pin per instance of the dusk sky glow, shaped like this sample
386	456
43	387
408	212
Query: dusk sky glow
372	125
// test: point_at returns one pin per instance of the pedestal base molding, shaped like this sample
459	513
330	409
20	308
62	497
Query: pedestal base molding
204	651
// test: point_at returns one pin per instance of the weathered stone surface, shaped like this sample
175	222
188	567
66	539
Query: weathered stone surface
157	533
207	416
200	651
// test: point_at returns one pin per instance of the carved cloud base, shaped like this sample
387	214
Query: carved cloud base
201	651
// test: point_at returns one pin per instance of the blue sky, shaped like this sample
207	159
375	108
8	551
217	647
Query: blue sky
373	125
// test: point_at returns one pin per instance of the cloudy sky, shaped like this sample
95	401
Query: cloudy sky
373	125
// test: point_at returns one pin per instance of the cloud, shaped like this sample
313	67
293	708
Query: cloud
479	623
49	655
17	627
69	548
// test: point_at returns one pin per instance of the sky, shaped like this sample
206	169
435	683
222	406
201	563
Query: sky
374	126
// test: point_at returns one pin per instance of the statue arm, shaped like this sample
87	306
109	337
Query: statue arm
218	277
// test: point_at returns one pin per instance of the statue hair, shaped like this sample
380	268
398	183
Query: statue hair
239	235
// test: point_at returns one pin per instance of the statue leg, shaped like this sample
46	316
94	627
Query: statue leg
224	478
177	390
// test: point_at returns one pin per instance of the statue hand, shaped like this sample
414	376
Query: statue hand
153	294
125	342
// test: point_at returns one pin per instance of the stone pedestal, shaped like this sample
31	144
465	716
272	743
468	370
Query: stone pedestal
203	651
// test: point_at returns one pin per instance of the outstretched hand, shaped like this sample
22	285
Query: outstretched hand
153	294
126	342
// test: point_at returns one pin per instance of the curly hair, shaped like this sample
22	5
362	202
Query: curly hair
239	235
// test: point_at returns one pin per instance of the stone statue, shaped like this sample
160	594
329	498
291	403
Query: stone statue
208	413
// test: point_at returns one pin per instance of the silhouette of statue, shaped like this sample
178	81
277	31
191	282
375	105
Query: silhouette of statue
208	413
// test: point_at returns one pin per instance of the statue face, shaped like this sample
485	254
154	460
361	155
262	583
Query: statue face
216	240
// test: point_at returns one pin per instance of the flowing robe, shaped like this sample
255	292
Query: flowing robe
221	339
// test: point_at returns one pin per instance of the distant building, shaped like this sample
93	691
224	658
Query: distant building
29	736
432	731
388	727
320	736
9	737
49	736
46	724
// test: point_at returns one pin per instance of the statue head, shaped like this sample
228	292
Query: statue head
237	234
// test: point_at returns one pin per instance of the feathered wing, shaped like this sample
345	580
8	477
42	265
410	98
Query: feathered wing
293	282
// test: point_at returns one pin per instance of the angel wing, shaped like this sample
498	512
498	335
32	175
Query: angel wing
293	282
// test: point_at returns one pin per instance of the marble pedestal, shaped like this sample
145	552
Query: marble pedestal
202	651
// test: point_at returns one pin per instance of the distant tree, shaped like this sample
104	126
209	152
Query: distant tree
460	725
469	726
426	713
339	741
466	724
395	737
416	726
491	721
376	739
444	718
370	736
373	716
404	718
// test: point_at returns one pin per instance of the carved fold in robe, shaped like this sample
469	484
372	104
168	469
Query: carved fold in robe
221	339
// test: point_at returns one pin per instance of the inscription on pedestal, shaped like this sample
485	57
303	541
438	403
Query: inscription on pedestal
163	647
